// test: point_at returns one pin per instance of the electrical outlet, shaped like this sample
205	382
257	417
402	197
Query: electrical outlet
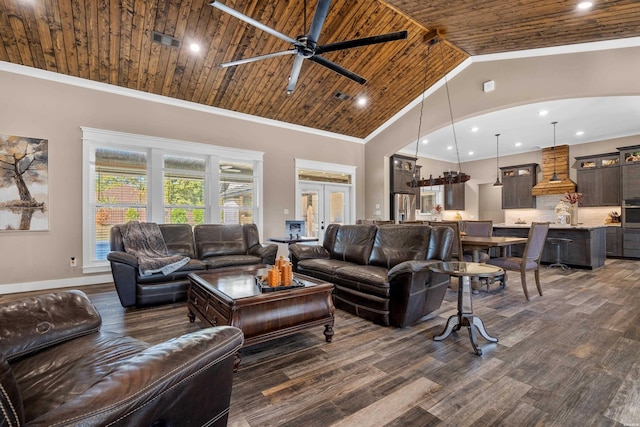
73	262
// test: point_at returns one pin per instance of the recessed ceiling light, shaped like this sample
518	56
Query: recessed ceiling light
362	101
580	133
450	147
518	144
194	47
543	112
474	129
471	153
584	5
425	141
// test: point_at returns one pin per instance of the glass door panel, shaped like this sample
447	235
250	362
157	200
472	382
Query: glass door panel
309	209
323	204
336	201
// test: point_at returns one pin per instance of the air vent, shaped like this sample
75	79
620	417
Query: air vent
165	40
341	96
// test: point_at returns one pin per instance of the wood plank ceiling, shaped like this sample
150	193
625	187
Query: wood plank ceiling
110	41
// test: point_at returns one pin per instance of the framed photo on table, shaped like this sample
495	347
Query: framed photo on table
294	228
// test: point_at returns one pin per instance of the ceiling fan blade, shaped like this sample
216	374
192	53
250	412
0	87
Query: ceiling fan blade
257	58
252	21
322	9
295	73
338	69
348	44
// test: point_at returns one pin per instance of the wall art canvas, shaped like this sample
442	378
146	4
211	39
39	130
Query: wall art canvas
24	191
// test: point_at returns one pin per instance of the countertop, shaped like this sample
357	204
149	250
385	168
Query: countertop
557	226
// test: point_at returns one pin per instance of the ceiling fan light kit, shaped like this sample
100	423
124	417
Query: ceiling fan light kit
306	47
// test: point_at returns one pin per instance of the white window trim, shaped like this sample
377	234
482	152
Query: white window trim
93	138
302	164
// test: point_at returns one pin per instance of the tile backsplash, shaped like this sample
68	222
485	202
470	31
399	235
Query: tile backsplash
545	211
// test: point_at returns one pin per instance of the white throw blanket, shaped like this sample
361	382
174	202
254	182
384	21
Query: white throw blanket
145	241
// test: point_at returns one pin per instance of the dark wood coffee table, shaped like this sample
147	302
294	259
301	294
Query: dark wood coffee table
230	296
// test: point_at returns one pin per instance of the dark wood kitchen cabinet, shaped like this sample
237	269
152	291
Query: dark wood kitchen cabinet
614	241
586	248
517	182
630	172
403	170
599	179
631	243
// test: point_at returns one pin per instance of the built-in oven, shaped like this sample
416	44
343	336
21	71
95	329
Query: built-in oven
631	213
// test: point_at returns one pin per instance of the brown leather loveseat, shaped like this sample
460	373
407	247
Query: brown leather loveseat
380	272
58	369
208	245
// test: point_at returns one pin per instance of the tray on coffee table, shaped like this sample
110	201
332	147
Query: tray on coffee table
263	285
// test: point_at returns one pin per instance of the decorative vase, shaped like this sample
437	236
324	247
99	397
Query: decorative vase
574	214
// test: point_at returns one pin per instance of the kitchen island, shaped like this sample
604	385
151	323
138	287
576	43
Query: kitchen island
587	248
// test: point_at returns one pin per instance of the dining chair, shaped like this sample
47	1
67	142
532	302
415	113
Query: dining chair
456	247
480	229
530	259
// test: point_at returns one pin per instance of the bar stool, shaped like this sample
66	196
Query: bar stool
557	242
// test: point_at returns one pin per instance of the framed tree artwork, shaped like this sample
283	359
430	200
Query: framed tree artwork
24	193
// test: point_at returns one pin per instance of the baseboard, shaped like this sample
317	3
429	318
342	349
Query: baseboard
13	288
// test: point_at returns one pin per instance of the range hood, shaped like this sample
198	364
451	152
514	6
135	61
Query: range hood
561	157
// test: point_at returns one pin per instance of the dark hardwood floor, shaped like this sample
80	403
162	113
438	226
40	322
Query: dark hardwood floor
569	358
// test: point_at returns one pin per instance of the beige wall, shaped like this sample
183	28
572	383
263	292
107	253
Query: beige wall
518	82
55	111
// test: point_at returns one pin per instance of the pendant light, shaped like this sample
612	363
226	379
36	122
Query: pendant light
554	178
497	183
434	37
415	182
459	174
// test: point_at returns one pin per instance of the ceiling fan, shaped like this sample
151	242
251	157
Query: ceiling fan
306	47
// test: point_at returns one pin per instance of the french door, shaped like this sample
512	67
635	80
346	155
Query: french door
323	204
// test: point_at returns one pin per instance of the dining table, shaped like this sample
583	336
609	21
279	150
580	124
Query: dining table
477	243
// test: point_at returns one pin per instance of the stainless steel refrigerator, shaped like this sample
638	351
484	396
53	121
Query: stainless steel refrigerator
404	207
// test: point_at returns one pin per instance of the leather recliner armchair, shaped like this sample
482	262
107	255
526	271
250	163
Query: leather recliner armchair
58	368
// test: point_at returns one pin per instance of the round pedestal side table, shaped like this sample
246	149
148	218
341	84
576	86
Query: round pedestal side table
465	317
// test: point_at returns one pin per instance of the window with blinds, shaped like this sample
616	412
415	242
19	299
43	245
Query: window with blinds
136	177
184	189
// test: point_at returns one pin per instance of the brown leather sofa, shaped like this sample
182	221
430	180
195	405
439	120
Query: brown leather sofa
380	272
208	245
58	368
